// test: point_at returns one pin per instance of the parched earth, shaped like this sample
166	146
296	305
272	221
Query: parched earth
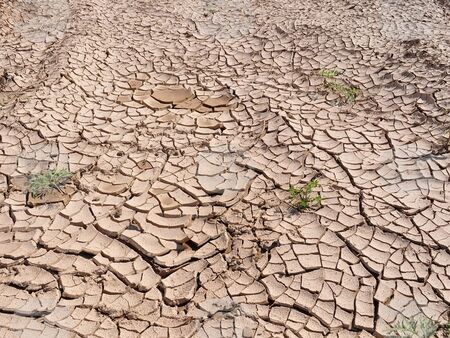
185	122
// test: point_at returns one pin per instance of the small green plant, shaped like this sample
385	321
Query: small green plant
347	92
416	327
329	73
42	183
302	198
446	330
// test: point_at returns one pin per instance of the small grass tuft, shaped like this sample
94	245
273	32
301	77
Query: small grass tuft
44	182
329	73
416	327
446	330
302	198
347	92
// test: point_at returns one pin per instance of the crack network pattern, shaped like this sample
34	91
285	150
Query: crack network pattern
185	123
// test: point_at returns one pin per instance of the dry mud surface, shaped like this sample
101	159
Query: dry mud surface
185	123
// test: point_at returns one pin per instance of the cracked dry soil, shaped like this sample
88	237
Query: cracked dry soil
185	122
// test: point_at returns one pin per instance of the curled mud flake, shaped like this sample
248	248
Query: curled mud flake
173	94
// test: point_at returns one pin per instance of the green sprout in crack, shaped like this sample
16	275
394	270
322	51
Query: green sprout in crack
347	92
304	198
329	73
446	330
46	181
416	327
